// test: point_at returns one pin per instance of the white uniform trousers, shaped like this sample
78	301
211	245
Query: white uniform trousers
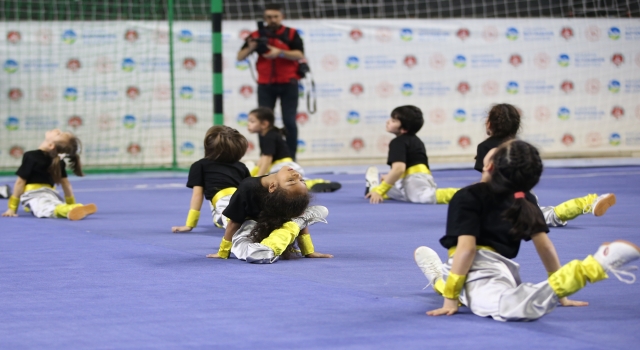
42	202
493	288
415	188
216	211
551	218
243	248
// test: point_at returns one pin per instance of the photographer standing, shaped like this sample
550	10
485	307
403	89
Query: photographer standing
279	48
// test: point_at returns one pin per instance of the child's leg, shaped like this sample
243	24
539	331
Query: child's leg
551	218
422	188
243	248
41	202
592	203
216	211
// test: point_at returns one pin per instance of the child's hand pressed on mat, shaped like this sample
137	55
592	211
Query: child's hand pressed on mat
449	308
567	302
178	229
374	198
9	213
318	255
214	256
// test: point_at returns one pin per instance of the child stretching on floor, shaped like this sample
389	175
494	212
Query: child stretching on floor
410	179
40	171
274	152
216	176
503	124
267	215
485	224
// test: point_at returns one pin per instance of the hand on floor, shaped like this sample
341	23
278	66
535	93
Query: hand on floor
10	213
449	308
374	198
566	302
178	229
214	256
318	255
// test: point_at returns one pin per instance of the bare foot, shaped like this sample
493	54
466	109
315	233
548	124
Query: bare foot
318	255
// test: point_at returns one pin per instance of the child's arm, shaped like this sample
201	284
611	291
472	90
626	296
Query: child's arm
194	212
225	245
306	246
547	253
376	194
462	261
264	164
14	200
68	191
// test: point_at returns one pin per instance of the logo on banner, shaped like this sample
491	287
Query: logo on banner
566	86
463	34
437	61
246	91
189	63
69	36
185	36
460	115
437	116
592	86
10	66
464	141
617	112
566	33
614	86
16	152
614	33
355	34
186	92
353	117
300	90
250	147
70	94
133	92
242	119
512	34
128	64
15	94
131	35
190	120
44	36
330	117
356	89
74	121
244	34
129	121
406	34
14	37
162	92
512	87
242	65
104	65
12	123
592	33
187	148
384	89
46	93
463	87
134	149
564	113
357	143
161	36
406	89
615	139
330	63
384	34
490	34
410	61
302	146
353	62
515	60
617	59
542	60
563	60
460	61
542	114
302	118
568	139
490	88
73	64
593	139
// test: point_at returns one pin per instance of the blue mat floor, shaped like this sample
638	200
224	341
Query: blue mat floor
121	280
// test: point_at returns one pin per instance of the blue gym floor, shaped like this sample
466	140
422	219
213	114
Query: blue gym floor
120	279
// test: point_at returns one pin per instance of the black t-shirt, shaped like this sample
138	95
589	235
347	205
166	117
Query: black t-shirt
477	211
407	149
215	176
273	144
295	44
35	168
484	147
245	202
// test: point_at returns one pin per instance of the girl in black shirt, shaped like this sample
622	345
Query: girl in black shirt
40	171
485	224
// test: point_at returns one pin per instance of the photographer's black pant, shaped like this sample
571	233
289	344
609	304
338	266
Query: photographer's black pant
288	94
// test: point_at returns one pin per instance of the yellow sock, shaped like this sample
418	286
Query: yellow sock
311	182
62	210
444	195
573	208
281	238
573	276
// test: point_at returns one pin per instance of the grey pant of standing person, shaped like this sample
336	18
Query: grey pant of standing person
493	288
268	94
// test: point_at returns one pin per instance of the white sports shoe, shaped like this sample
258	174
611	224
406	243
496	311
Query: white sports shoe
429	262
602	203
613	256
5	191
372	179
312	215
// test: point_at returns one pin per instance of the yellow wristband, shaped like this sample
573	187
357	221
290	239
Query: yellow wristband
305	244
14	202
70	200
225	249
453	286
255	170
382	188
192	218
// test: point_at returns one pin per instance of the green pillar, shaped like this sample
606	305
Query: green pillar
174	155
216	45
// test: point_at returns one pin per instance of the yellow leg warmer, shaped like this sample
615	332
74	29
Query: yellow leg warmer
573	208
306	244
281	238
444	195
574	276
62	210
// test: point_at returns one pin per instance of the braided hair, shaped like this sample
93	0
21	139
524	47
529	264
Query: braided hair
503	121
517	168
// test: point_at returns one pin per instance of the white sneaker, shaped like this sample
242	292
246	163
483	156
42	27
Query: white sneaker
372	179
613	256
429	262
5	191
312	215
602	203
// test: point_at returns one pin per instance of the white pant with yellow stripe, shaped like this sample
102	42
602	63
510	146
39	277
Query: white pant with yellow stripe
42	202
415	188
216	211
243	248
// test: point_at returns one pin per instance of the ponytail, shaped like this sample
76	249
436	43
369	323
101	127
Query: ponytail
69	149
54	169
524	217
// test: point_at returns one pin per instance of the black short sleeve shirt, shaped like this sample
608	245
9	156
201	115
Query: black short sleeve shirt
215	176
484	147
477	211
35	168
273	144
407	149
245	202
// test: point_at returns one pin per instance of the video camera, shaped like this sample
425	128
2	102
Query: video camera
262	40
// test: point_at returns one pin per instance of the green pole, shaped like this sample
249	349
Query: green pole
174	162
216	45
